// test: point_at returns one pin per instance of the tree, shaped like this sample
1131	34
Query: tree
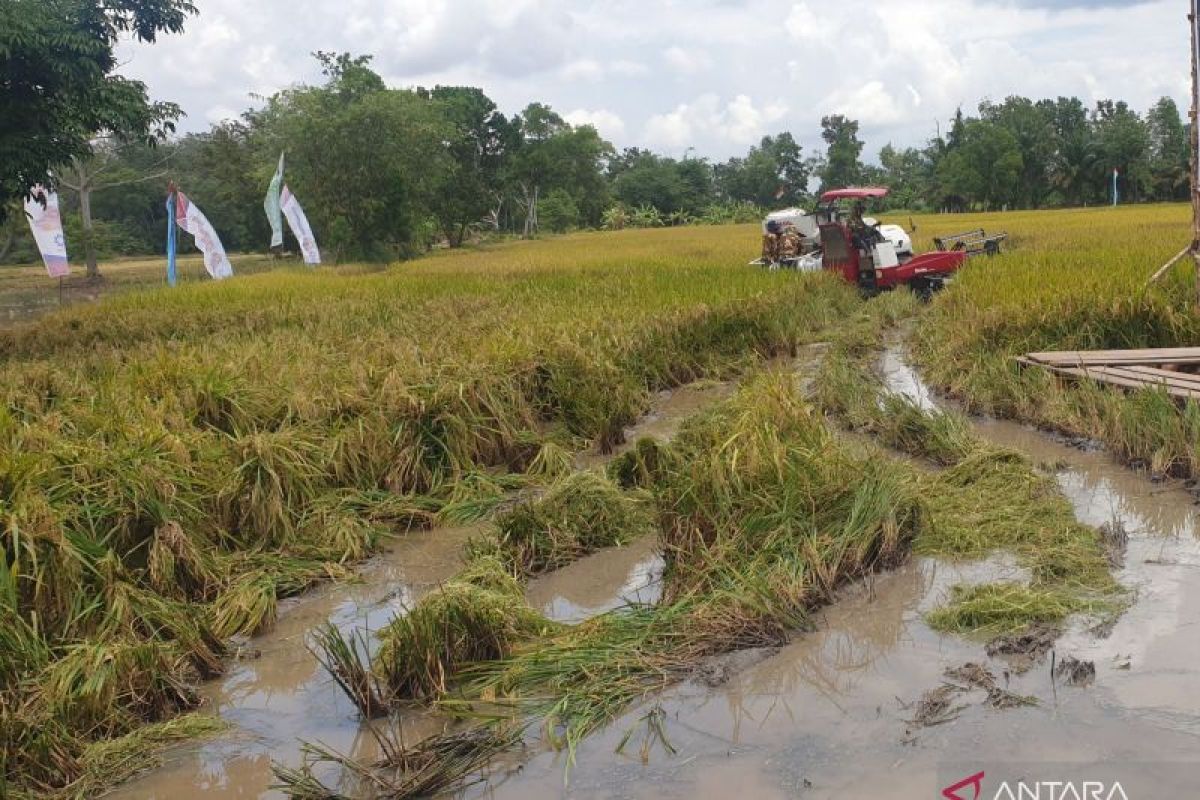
986	165
551	154
1123	143
87	175
773	173
842	166
645	179
1170	153
1074	157
366	159
907	173
482	137
1031	126
58	89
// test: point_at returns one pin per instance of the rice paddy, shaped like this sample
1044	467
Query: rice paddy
173	463
1075	280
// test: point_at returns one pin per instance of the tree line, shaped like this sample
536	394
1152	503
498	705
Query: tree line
386	173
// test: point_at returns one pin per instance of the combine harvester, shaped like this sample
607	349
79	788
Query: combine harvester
872	256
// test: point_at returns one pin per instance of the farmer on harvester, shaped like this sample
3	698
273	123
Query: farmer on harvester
863	235
771	242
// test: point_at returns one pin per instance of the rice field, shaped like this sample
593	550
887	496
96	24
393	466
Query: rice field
1074	280
174	462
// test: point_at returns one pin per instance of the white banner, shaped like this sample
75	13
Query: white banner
192	220
299	225
46	224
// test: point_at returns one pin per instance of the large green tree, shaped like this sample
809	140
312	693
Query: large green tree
58	86
985	166
366	160
772	174
842	166
481	138
1170	152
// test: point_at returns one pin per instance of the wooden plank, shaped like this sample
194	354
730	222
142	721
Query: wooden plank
1154	373
1162	355
1158	377
1104	375
1085	359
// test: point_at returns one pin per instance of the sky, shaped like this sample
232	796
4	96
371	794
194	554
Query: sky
705	77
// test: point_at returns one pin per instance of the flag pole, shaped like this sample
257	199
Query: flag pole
1193	18
171	190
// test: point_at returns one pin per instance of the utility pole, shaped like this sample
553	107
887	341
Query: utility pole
1193	20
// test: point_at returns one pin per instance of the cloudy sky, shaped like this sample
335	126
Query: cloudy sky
713	75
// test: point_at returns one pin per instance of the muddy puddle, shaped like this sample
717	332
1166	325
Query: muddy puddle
278	694
829	716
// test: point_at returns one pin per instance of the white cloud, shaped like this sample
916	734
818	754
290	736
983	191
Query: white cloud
705	74
610	125
870	104
686	62
739	122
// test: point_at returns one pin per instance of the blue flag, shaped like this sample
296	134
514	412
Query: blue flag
171	239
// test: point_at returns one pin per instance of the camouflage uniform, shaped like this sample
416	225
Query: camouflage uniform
790	243
770	247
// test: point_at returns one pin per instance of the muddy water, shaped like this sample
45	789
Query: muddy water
827	717
280	695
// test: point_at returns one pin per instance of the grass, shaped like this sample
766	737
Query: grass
174	462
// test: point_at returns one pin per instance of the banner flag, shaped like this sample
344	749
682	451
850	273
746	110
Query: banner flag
46	225
192	220
171	239
300	229
272	207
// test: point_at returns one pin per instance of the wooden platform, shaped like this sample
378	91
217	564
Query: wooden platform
1168	368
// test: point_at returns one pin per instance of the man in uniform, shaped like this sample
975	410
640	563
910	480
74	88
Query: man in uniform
770	243
790	242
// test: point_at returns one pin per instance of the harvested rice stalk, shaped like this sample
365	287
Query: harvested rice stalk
577	515
428	768
348	661
479	616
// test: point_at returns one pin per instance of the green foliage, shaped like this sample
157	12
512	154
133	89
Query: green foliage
842	166
59	88
773	174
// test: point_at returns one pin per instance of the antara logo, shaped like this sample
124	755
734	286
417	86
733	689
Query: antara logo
975	782
971	788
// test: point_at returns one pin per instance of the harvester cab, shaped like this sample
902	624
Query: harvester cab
876	257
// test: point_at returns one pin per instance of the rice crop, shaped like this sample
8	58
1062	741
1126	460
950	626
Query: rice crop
577	515
174	462
1073	280
762	515
983	499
